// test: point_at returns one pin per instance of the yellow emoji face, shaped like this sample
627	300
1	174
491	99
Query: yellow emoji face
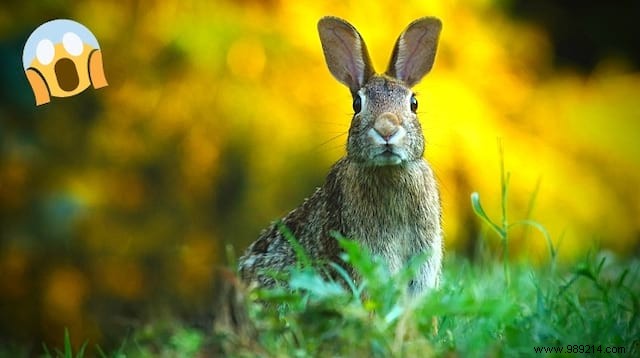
62	58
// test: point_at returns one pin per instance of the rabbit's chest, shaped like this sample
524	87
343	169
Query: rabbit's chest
394	212
396	235
396	245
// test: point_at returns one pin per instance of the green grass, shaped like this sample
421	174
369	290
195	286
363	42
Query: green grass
485	308
479	313
490	307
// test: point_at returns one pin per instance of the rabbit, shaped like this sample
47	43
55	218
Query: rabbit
382	194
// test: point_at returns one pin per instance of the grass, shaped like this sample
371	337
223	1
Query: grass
491	307
593	302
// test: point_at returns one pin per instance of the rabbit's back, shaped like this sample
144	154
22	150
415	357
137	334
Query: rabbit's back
272	252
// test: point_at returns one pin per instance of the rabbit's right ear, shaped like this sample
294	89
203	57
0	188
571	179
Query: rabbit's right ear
415	50
345	52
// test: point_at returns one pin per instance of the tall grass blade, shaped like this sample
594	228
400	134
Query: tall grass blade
477	208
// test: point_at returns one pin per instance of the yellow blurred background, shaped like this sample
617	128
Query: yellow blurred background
221	116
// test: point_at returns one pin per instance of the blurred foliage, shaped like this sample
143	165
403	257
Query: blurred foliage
577	33
221	116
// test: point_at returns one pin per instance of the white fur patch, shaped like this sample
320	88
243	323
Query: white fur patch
363	99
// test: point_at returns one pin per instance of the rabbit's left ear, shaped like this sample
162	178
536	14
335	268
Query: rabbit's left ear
345	52
415	51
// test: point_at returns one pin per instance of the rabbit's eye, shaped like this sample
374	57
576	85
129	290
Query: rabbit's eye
357	104
414	104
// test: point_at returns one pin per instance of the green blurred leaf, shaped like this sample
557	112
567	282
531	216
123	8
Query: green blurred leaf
477	208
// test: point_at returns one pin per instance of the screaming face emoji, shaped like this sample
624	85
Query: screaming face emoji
62	58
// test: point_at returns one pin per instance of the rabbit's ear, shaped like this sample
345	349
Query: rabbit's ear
415	51
345	52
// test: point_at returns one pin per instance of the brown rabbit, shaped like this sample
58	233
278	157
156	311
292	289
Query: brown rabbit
382	193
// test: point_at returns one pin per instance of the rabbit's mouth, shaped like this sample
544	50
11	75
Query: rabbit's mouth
387	157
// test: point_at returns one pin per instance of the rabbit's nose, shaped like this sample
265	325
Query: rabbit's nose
386	125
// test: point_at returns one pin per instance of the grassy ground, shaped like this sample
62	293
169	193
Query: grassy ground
589	307
485	308
490	307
